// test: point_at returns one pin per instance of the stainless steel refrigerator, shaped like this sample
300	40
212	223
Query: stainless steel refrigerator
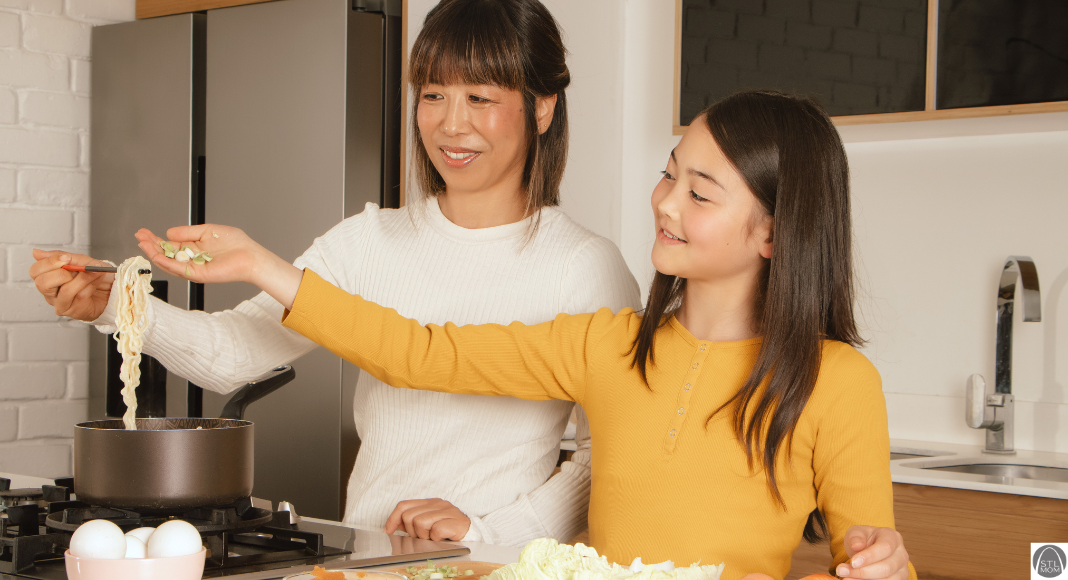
281	118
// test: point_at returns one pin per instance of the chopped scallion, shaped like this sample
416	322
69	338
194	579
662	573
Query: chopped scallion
431	572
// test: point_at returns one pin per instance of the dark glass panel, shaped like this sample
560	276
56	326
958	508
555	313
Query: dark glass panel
1001	52
854	57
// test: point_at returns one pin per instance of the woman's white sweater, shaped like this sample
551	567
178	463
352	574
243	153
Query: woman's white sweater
427	268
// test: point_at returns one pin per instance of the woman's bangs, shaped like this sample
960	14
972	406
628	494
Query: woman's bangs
470	51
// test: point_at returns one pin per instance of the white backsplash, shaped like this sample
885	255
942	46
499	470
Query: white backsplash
935	220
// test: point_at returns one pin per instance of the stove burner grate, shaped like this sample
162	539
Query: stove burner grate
36	526
67	516
21	541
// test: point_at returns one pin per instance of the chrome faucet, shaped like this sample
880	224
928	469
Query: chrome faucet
994	411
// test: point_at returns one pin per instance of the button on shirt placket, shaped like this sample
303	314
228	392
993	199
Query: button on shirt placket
682	406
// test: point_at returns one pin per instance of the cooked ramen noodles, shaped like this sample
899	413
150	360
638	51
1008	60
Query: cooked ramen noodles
131	321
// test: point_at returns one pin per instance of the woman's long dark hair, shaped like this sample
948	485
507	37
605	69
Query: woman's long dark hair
513	44
792	159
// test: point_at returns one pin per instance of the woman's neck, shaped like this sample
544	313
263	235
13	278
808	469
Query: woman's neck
720	311
485	209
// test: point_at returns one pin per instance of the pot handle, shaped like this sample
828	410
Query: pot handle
256	390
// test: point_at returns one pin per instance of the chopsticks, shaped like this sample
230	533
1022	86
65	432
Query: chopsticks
105	269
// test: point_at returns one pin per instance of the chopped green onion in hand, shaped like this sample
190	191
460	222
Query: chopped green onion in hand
186	254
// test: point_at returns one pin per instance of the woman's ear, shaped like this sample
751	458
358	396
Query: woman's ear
544	107
766	233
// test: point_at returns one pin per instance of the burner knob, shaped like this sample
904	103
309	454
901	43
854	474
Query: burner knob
288	507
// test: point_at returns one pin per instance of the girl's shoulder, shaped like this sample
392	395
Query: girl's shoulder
844	368
847	405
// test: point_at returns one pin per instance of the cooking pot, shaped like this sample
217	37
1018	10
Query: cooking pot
170	465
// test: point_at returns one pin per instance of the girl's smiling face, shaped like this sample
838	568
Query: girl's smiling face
475	135
710	226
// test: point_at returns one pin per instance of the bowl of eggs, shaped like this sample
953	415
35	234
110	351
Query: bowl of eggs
100	551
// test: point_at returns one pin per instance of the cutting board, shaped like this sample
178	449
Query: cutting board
480	569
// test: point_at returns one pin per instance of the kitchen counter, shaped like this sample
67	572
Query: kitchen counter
479	552
910	470
367	548
24	481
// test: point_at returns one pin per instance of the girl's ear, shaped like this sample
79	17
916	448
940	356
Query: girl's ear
544	108
766	233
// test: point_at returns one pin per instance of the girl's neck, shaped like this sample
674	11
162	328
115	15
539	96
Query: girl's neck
719	311
484	209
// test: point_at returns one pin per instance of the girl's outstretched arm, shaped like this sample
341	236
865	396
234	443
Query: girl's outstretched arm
544	361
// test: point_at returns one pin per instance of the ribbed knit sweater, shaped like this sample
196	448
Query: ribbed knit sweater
668	482
499	452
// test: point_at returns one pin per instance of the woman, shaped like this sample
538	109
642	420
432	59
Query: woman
485	245
734	415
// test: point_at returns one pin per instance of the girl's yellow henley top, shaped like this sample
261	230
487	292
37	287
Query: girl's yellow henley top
668	481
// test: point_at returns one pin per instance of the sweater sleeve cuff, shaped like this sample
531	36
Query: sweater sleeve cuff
105	323
477	531
311	291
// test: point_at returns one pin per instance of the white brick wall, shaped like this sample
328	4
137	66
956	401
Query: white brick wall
44	202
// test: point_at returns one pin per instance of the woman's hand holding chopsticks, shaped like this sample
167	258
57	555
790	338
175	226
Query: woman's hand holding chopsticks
78	295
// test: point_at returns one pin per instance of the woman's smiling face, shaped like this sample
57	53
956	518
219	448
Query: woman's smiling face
475	135
709	225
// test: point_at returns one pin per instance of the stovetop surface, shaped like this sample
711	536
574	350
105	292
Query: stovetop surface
367	549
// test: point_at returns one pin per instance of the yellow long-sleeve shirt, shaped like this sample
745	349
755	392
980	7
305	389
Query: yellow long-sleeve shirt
666	485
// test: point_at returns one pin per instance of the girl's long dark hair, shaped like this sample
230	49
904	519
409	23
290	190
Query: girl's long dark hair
792	159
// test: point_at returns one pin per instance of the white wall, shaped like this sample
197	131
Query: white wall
935	219
44	202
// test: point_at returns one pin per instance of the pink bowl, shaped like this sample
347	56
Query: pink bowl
189	567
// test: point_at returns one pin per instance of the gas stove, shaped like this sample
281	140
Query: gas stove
245	542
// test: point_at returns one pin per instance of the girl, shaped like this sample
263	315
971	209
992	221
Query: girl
485	245
727	413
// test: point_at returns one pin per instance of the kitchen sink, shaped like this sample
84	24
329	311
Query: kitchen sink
894	456
1007	470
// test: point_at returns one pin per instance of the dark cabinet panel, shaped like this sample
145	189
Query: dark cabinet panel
1002	52
854	57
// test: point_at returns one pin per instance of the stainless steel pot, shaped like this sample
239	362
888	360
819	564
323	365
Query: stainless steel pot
171	464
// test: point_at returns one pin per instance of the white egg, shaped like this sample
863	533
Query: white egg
98	539
141	534
174	538
135	548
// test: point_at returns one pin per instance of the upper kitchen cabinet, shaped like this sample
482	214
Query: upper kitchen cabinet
1001	52
876	61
